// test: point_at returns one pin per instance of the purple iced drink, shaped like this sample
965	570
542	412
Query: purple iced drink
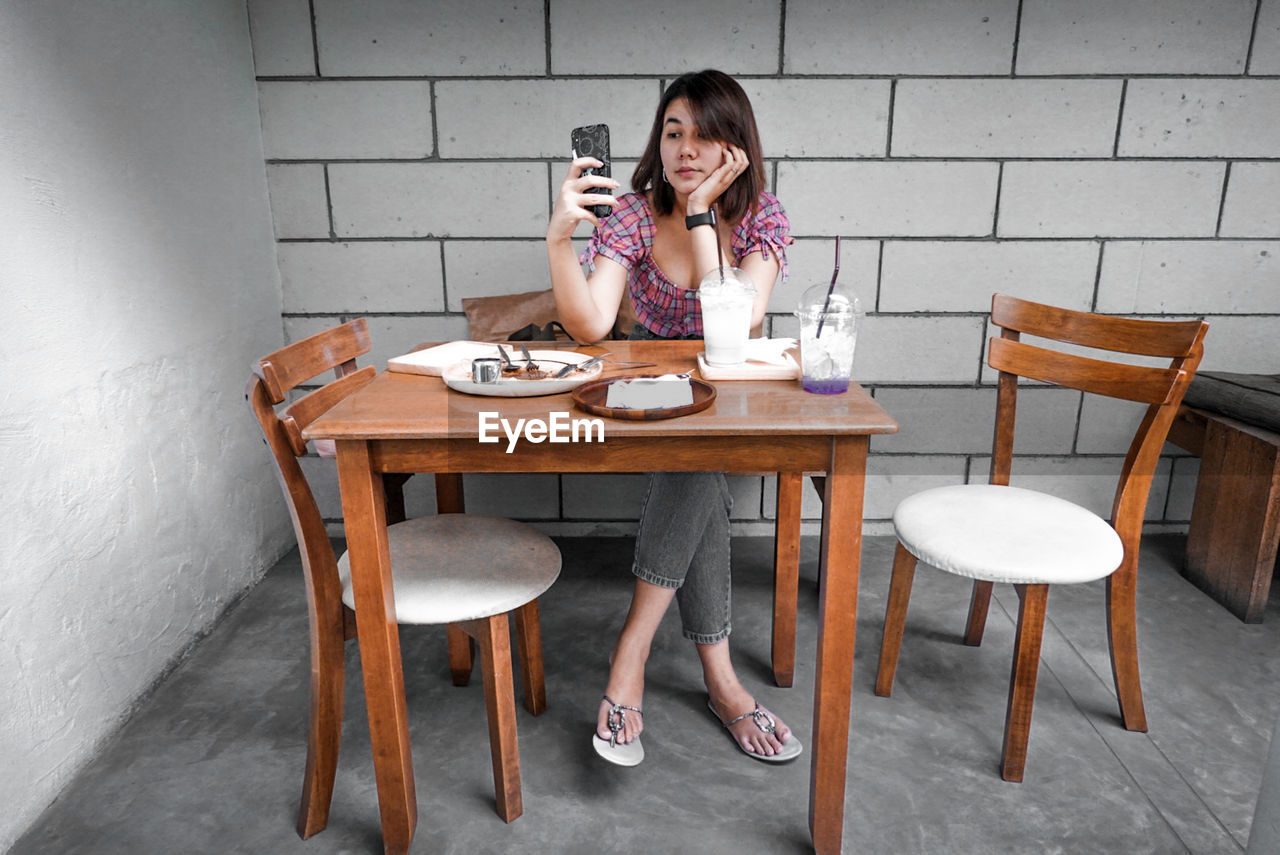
828	386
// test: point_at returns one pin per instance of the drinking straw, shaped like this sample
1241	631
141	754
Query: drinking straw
827	303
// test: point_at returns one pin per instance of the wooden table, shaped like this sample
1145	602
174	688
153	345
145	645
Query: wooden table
1234	539
409	423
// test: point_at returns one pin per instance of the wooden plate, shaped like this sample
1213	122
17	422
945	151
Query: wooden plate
591	397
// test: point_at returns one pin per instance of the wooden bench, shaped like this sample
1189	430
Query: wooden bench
1235	521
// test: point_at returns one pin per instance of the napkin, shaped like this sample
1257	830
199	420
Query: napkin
770	350
434	360
650	393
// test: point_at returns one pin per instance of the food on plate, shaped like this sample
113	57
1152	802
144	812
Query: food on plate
528	371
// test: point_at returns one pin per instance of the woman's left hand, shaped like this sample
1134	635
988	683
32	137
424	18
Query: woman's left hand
705	194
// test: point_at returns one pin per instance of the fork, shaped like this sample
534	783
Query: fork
581	366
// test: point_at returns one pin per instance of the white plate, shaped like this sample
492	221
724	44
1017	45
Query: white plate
458	376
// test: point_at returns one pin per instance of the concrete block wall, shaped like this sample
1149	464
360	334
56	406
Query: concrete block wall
1121	158
138	278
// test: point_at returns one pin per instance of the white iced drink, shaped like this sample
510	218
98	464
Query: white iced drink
726	315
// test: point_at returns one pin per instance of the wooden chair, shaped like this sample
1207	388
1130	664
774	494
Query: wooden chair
449	497
463	570
998	533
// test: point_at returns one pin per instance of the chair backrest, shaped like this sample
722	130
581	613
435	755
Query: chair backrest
273	377
1160	388
294	364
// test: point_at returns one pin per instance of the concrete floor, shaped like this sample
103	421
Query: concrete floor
213	760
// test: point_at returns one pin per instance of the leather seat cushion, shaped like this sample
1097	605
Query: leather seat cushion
457	567
1007	534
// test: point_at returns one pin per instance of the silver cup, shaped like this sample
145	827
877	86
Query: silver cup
486	370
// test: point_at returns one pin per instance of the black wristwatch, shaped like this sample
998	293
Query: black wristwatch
706	218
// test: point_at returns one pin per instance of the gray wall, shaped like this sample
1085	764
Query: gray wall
1119	157
138	280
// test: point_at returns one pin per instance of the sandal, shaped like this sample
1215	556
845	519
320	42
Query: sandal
622	754
767	724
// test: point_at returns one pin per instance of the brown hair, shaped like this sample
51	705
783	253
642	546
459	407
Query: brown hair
722	112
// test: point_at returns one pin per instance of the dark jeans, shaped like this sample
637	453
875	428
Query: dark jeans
683	543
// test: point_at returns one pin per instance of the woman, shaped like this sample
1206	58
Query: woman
701	171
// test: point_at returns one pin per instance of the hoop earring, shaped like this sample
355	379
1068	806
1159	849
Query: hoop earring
665	179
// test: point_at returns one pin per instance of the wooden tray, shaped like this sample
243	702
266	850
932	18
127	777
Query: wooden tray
591	397
749	370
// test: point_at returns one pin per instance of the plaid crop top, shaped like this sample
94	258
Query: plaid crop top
663	307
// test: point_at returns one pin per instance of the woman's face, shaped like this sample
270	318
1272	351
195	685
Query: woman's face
687	157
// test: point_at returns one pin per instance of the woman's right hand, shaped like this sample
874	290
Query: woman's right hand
570	208
733	163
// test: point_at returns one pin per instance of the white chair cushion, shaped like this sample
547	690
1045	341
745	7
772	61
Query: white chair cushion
1007	534
456	567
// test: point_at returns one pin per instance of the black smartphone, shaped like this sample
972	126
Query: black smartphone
593	141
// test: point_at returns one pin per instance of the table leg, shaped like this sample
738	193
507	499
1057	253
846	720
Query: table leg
364	515
1235	521
449	493
837	622
786	577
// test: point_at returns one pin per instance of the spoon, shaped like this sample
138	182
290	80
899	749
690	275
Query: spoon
510	367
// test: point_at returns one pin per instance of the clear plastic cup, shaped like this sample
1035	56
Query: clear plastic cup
726	315
828	333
